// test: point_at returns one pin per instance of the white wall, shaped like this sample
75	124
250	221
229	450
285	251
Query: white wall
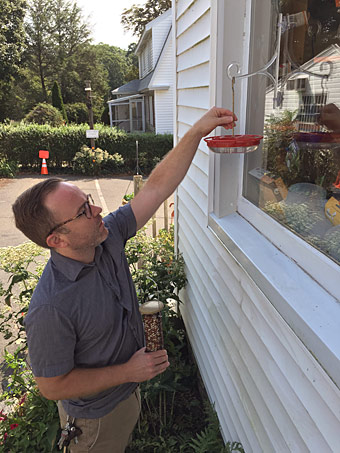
163	78
160	29
270	393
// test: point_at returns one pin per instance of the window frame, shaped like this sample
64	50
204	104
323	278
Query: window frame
306	292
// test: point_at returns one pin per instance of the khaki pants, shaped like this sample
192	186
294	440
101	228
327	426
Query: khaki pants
109	434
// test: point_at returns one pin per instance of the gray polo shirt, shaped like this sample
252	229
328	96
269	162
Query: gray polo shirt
87	316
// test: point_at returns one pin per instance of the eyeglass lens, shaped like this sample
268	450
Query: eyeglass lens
89	202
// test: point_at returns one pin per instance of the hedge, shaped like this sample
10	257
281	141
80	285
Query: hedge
21	143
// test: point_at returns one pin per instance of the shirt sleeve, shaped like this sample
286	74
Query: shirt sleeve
122	222
51	341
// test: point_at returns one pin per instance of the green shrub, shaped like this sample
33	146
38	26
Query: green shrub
96	162
31	424
77	112
57	100
22	142
105	116
44	113
8	169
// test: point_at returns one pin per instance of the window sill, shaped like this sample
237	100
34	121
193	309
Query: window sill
309	310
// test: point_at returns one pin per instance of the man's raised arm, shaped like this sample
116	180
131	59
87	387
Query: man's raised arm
169	173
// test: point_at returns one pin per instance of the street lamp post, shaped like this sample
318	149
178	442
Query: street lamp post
89	106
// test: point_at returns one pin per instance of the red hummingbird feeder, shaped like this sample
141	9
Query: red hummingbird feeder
229	144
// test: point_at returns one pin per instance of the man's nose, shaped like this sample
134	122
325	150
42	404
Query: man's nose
96	210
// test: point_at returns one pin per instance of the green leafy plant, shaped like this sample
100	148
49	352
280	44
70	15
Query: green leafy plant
24	265
77	112
128	196
315	165
57	100
209	439
8	169
156	270
96	162
31	423
44	113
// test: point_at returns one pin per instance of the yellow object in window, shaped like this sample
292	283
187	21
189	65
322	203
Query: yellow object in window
332	211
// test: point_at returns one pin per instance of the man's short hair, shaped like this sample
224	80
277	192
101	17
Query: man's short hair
32	217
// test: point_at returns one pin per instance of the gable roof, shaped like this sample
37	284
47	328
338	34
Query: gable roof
134	86
148	28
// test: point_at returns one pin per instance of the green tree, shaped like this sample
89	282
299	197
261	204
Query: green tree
12	45
56	34
71	33
133	73
12	37
135	18
39	27
85	66
57	100
118	63
77	112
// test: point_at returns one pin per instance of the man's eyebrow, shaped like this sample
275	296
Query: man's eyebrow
82	207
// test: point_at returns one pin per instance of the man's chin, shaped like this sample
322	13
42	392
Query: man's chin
105	234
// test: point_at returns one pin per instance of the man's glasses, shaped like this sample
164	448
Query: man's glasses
86	212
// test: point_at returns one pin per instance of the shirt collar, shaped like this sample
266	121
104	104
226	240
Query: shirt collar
67	266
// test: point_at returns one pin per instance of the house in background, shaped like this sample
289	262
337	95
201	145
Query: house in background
261	307
314	85
146	104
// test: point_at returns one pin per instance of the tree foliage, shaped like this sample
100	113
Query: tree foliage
57	100
56	34
120	65
53	43
45	114
136	17
77	112
12	37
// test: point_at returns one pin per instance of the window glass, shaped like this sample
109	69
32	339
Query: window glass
294	176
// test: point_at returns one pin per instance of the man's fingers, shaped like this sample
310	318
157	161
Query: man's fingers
161	368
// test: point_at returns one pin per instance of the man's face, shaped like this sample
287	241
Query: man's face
66	202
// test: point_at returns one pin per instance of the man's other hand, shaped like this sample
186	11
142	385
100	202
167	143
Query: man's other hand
145	365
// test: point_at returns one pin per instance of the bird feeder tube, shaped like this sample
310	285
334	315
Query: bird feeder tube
153	329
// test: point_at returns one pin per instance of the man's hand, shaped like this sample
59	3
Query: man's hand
143	366
213	118
81	382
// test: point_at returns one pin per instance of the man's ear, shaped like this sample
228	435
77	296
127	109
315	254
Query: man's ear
54	241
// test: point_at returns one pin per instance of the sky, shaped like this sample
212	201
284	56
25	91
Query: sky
105	18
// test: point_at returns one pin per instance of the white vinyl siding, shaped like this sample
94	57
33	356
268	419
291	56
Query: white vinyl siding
269	391
162	83
160	31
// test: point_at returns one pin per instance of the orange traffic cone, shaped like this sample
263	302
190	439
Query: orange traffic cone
44	170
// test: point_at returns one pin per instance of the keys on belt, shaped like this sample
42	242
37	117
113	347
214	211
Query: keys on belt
69	432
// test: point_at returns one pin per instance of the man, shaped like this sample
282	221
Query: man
84	330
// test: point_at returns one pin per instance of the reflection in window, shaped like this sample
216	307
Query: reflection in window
295	175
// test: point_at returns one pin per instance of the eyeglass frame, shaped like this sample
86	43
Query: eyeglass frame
87	212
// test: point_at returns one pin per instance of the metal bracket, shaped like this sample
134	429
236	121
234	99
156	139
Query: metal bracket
284	24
